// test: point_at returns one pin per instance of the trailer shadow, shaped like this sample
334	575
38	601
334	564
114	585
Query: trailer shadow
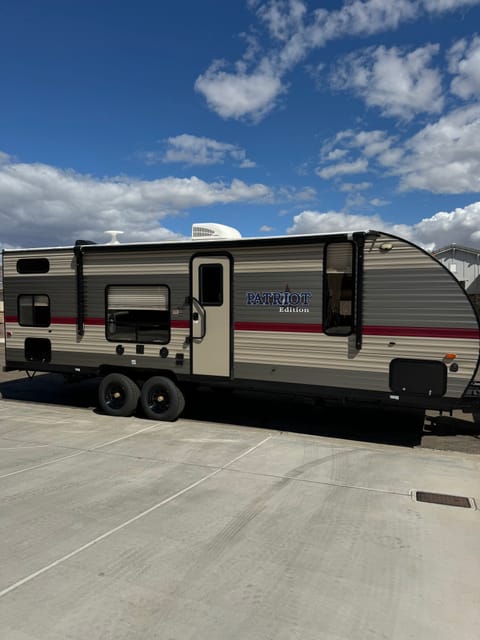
49	388
300	415
254	409
268	411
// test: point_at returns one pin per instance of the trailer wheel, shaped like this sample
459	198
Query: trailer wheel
161	399
118	395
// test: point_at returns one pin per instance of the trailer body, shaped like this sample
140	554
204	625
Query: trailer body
358	317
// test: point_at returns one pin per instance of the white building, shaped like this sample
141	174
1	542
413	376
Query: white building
464	263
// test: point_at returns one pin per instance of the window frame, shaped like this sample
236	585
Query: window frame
201	268
327	327
135	340
24	267
32	296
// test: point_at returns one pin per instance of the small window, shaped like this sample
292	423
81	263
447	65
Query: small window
33	265
138	314
338	289
211	284
33	310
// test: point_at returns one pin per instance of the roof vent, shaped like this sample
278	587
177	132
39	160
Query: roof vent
214	231
113	236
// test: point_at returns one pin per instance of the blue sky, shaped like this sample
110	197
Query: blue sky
274	117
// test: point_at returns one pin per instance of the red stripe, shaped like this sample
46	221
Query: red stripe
175	324
422	332
180	324
93	322
290	327
99	322
415	332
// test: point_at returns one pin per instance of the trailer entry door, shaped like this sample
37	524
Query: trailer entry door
210	315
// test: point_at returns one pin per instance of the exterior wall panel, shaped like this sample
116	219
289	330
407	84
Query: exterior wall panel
412	308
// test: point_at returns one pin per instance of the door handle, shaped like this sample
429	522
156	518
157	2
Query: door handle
198	315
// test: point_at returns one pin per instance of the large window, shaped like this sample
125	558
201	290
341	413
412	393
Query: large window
138	313
338	289
33	310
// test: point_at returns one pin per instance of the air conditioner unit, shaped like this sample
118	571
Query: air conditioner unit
214	231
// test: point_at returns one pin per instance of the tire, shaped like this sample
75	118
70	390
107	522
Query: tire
118	395
161	399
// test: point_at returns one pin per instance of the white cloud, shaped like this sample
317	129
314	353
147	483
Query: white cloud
378	202
447	5
343	168
399	83
196	150
316	222
368	143
371	143
265	228
443	157
336	154
239	94
41	205
283	19
464	62
251	87
355	186
461	226
358	17
289	194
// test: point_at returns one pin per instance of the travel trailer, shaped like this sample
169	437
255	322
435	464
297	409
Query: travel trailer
359	317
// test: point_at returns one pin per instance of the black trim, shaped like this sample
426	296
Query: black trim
12	365
78	250
337	395
359	239
217	247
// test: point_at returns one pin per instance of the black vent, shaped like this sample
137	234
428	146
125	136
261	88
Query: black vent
442	498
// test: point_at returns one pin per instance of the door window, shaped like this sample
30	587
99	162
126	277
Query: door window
211	284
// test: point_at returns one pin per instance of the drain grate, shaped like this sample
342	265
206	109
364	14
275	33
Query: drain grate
442	498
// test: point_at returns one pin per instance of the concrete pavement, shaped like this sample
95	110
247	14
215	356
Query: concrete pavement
124	529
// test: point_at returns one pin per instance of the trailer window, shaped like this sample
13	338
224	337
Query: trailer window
338	289
211	284
33	310
33	265
138	313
